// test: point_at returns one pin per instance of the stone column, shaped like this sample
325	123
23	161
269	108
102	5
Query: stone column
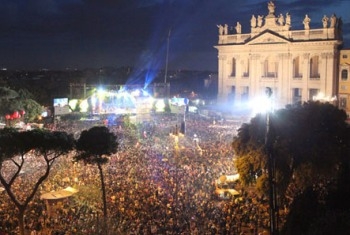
306	76
221	78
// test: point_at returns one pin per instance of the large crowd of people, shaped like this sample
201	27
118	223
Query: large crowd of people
159	182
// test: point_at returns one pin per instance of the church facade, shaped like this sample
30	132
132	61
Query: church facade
298	65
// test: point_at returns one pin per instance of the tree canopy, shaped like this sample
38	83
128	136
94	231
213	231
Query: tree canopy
94	145
309	142
28	153
11	101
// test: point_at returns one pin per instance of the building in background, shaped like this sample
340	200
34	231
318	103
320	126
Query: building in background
344	80
298	65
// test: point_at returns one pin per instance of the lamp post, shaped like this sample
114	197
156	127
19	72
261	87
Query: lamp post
183	123
167	58
271	170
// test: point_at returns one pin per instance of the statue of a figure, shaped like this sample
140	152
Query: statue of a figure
281	19
306	22
253	21
288	20
271	7
260	20
340	23
238	28
225	29
325	20
333	21
221	29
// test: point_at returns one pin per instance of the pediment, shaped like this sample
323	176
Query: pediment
268	38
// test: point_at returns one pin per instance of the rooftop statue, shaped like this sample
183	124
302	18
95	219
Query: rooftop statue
325	20
221	29
281	19
333	21
238	28
225	29
288	20
253	21
260	20
306	22
271	7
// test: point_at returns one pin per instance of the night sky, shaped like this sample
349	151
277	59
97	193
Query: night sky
58	34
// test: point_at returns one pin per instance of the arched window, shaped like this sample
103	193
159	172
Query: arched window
297	68
233	73
296	95
245	68
314	64
245	94
344	74
313	94
270	68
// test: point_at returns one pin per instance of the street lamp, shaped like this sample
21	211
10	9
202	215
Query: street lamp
271	170
183	123
167	58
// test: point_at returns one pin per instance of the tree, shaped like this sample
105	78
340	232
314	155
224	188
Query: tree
7	93
32	152
11	101
309	143
94	145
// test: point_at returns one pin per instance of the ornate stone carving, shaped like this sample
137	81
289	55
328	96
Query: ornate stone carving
255	56
285	55
222	57
326	55
306	56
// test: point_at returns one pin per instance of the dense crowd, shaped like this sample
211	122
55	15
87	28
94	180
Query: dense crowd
159	182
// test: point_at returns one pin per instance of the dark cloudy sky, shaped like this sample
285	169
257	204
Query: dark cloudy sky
56	34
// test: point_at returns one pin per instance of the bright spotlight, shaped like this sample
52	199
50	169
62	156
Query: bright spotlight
261	105
160	105
136	93
84	106
145	93
100	92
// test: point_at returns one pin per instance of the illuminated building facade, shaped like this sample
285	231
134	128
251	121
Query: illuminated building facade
298	65
344	80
